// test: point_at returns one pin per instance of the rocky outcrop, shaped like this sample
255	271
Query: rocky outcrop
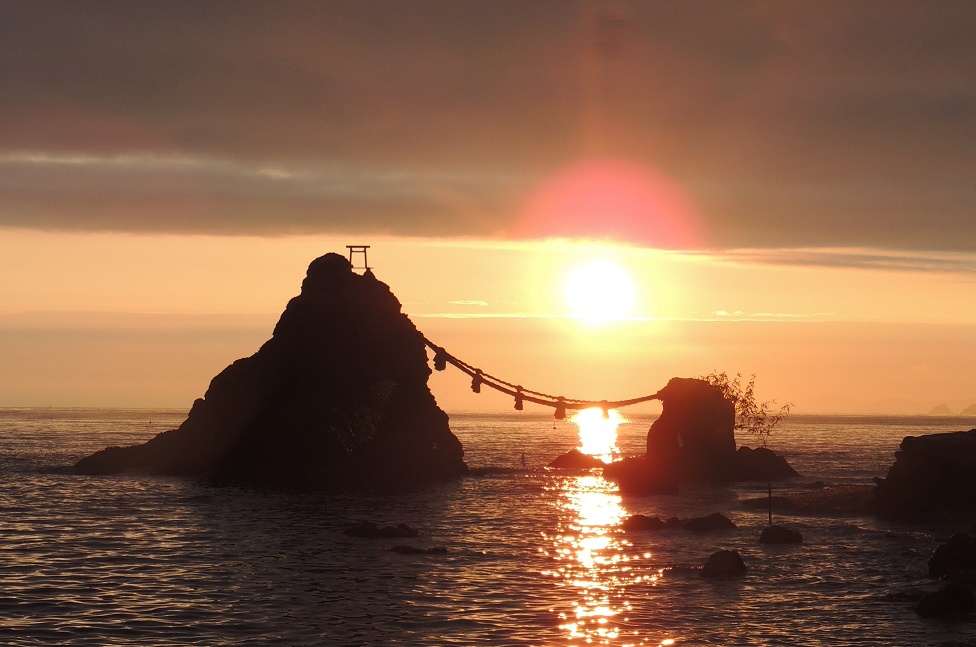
724	563
694	440
337	397
577	460
933	478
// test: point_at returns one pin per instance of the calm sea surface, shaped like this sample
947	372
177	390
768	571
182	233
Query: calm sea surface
535	556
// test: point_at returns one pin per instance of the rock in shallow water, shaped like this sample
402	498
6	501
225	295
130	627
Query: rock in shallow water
338	397
575	459
724	563
780	535
708	523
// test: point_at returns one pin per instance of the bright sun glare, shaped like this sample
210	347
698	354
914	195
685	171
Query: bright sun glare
600	291
598	435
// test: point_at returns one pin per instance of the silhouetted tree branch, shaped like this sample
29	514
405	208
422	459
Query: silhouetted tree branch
758	418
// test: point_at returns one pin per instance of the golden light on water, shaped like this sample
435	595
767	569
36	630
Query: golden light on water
598	434
595	562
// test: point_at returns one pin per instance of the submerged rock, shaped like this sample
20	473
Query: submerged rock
575	459
780	535
724	563
642	522
933	477
708	523
337	397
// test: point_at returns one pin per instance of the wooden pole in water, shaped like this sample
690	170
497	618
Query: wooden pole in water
769	485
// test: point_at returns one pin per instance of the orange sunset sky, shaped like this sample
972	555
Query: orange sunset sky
786	188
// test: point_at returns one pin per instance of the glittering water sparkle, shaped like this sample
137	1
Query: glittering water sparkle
535	556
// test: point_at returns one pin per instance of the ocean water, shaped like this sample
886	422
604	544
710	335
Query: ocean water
534	556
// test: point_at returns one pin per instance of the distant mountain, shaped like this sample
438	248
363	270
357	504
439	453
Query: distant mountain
941	410
969	411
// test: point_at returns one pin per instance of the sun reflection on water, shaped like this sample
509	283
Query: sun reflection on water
598	432
593	556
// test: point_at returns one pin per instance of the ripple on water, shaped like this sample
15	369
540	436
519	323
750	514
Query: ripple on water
534	557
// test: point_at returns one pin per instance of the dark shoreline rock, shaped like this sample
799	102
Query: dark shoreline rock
337	398
932	479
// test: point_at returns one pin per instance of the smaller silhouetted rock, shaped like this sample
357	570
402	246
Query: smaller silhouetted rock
709	523
413	550
952	601
969	411
780	535
643	522
957	554
575	459
724	563
370	530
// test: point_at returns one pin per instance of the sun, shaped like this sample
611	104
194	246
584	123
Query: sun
600	291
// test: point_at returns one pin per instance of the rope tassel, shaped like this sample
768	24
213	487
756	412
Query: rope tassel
518	399
476	382
560	409
440	359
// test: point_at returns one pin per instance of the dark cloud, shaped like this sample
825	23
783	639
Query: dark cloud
789	124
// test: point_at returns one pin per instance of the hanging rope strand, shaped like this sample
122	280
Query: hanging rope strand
479	378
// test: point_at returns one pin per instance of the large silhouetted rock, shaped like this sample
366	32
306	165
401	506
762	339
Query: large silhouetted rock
932	477
338	396
694	440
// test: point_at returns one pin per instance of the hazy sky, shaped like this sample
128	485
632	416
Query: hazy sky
168	169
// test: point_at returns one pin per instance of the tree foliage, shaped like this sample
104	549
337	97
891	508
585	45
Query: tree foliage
751	416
